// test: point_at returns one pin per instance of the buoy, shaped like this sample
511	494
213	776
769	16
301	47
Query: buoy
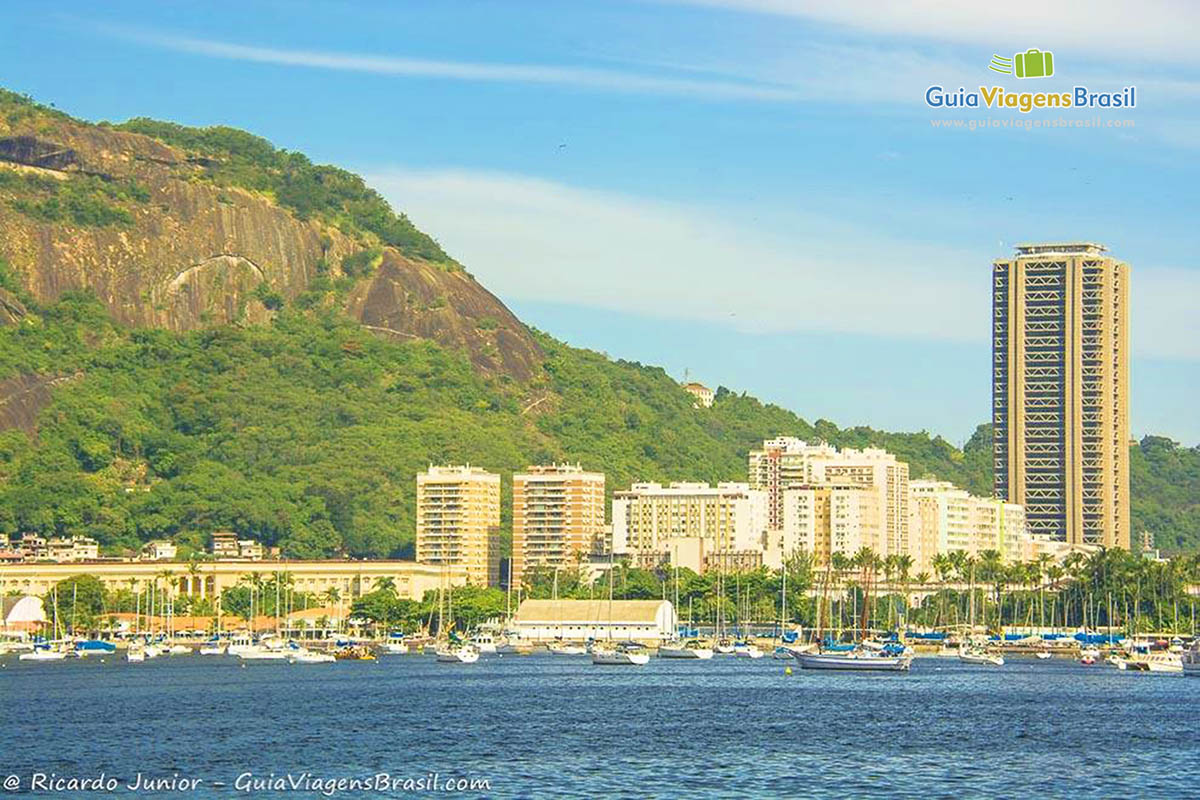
787	670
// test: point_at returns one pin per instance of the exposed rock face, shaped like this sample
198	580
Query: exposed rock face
22	397
196	253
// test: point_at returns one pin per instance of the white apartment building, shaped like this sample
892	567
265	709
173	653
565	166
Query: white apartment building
458	521
944	519
786	462
652	521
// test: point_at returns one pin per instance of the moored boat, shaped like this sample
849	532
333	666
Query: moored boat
976	655
303	656
858	660
461	654
746	650
43	654
624	654
1189	660
692	648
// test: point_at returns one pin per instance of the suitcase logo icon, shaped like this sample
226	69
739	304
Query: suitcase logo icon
1033	63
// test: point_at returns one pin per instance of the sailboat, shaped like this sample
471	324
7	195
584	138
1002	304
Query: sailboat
692	648
678	648
449	652
559	647
978	655
625	653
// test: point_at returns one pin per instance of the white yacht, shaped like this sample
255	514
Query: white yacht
212	650
395	647
484	642
136	654
977	655
460	654
692	648
624	654
305	656
43	654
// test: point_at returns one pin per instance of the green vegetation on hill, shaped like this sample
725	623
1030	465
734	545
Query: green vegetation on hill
308	432
84	200
231	157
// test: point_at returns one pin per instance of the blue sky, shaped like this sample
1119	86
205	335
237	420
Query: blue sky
751	190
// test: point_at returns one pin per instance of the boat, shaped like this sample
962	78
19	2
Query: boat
1189	660
562	649
1089	656
785	652
395	648
1163	661
977	655
136	654
458	654
43	654
484	643
723	647
303	656
90	647
179	650
624	654
858	660
353	653
212	650
1043	654
692	648
746	650
154	650
269	649
263	654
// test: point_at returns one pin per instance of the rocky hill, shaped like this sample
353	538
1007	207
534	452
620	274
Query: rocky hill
181	228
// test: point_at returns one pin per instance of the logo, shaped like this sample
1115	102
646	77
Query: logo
1033	63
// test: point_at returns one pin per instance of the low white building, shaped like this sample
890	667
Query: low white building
580	620
159	550
21	615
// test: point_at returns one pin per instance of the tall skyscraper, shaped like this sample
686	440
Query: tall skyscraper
558	516
1060	390
458	521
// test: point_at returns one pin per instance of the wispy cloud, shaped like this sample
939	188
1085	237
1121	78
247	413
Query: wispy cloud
534	239
539	240
587	78
1155	30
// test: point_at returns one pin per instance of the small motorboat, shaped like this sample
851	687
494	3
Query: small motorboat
1043	654
136	654
1089	656
354	653
212	650
560	649
179	650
